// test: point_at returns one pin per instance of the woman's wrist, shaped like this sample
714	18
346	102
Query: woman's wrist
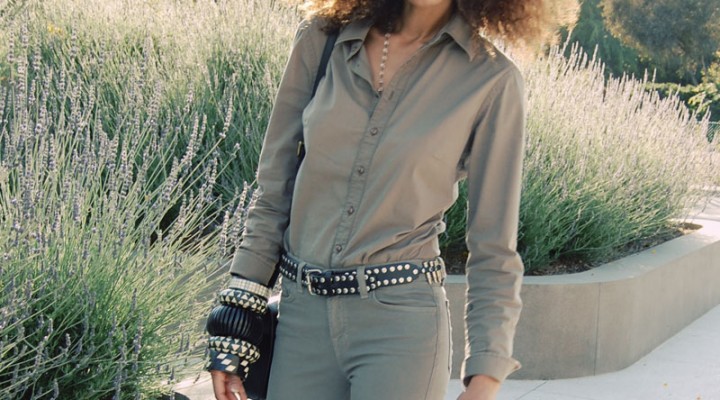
484	382
235	327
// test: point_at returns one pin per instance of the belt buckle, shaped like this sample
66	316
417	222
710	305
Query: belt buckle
308	281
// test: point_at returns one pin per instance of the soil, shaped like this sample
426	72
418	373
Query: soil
455	260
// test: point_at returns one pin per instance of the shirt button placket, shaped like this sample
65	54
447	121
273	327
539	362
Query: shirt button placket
357	181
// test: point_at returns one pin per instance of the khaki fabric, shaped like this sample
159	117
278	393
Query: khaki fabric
380	171
394	344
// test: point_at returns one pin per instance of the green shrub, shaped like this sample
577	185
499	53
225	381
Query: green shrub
703	98
607	161
592	34
99	297
212	47
714	132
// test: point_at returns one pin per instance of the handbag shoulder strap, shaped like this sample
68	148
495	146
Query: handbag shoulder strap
327	51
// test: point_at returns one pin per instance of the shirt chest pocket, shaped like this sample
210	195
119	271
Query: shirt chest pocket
332	127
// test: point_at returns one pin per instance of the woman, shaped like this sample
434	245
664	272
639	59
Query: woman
414	100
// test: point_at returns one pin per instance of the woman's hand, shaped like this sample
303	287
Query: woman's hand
481	387
227	386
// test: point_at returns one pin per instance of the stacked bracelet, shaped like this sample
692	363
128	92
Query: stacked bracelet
238	347
250	286
226	362
243	299
236	327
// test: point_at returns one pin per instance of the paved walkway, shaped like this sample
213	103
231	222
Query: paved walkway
686	367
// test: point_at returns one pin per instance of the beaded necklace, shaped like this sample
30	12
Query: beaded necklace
383	61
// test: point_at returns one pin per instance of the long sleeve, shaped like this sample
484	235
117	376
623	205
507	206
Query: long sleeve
494	269
268	215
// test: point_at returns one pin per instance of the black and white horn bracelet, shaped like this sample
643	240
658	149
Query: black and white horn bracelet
236	327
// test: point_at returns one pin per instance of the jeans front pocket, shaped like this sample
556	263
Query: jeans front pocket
417	296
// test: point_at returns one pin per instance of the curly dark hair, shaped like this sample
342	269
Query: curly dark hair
518	22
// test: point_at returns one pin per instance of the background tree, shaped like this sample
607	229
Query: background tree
682	34
593	36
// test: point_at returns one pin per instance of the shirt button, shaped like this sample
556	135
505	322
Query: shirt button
374	131
350	210
361	170
338	248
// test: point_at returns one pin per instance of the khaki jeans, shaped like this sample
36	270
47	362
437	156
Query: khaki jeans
394	343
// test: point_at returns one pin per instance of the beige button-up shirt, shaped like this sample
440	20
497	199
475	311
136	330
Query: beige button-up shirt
381	170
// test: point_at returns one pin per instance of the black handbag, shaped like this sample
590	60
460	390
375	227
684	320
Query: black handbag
256	384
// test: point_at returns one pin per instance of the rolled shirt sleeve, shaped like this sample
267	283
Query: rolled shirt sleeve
494	269
269	213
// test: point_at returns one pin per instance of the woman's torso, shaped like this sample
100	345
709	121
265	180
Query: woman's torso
380	170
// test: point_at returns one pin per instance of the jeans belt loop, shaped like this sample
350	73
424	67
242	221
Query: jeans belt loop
298	278
362	285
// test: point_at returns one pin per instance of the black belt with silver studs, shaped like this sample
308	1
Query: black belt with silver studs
328	282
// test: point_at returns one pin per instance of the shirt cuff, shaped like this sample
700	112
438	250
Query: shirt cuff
251	267
492	365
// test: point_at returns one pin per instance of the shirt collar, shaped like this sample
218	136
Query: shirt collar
355	31
456	28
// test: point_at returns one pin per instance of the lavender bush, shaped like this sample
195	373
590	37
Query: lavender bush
607	162
207	57
100	294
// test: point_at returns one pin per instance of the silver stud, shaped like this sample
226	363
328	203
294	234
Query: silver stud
324	291
384	270
407	267
392	268
351	278
322	280
410	279
372	286
385	282
352	290
415	272
376	271
394	281
401	280
372	279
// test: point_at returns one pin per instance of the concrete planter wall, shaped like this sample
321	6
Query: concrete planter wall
607	318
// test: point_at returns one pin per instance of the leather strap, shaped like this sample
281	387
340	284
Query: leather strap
324	59
327	51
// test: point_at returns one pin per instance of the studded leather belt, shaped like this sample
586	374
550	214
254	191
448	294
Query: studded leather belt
328	282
